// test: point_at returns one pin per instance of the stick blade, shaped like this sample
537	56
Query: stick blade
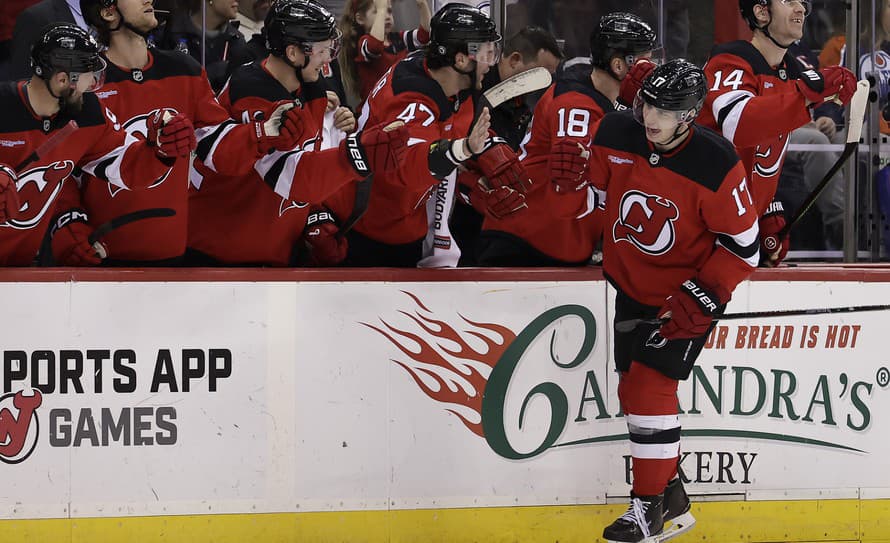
521	83
857	111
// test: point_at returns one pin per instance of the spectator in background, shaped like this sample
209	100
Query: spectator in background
251	14
223	40
9	11
370	46
28	27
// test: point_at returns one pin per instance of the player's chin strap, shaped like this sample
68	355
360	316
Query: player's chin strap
677	134
765	30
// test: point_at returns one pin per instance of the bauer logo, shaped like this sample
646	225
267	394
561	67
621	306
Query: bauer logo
550	386
19	425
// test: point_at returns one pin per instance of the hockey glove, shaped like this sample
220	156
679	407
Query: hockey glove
172	135
568	165
690	310
836	84
633	81
499	163
9	194
70	240
497	203
324	246
379	149
283	131
773	249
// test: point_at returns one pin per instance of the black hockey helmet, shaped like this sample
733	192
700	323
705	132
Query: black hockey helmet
457	28
747	9
619	34
302	23
677	85
65	47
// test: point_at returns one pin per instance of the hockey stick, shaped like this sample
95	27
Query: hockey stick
512	87
857	116
107	227
630	324
517	85
51	143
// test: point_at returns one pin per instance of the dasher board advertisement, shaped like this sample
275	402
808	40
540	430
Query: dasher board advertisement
187	398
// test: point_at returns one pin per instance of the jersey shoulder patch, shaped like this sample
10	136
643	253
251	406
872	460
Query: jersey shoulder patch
748	53
251	80
710	173
577	79
409	75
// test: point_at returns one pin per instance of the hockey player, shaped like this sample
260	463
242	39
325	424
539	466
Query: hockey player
141	84
563	229
426	91
681	233
758	94
67	70
268	215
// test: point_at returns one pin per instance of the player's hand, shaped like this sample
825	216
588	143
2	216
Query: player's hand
172	135
501	166
324	246
333	101
633	81
70	234
478	136
496	202
568	165
9	194
282	131
826	126
690	310
773	248
838	85
378	149
344	119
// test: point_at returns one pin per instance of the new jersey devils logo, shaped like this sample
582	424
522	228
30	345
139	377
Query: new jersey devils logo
38	189
646	221
768	164
138	126
19	427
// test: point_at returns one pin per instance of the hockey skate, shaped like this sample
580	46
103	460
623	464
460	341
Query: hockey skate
678	518
642	523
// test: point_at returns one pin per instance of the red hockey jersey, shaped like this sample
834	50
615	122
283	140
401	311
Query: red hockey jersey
755	106
396	212
374	57
562	226
257	218
100	148
170	80
671	217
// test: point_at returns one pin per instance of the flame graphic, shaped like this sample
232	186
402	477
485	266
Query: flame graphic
457	383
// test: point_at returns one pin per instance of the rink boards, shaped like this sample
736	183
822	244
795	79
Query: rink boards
349	406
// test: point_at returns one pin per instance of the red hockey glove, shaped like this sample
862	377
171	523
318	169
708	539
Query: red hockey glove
9	194
325	247
379	149
836	84
497	203
173	135
70	244
691	311
499	163
773	249
283	131
633	81
568	165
